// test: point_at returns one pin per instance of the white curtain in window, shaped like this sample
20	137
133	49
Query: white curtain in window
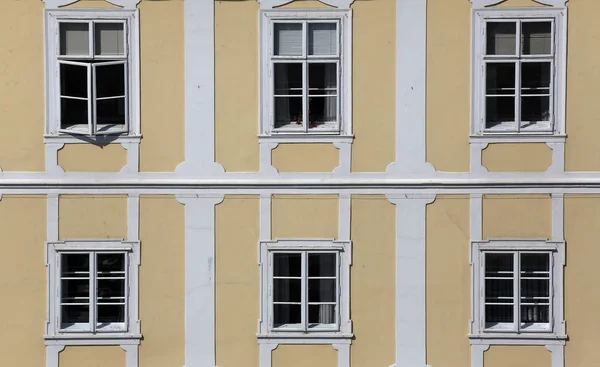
322	39
288	39
330	113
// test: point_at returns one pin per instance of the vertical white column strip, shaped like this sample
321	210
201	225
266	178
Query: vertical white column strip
131	355
558	216
558	354
133	217
200	90
52	355
199	280
477	354
52	208
411	314
476	224
345	202
411	80
476	217
265	217
343	354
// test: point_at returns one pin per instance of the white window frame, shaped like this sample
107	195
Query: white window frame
556	329
130	19
131	327
343	17
558	73
343	327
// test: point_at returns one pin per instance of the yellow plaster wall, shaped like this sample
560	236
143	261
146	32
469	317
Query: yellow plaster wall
237	85
92	158
582	229
305	216
518	3
531	157
99	4
162	281
162	84
448	84
22	76
92	356
517	216
23	285
517	356
374	85
372	282
237	278
304	355
92	217
304	4
448	282
305	157
583	77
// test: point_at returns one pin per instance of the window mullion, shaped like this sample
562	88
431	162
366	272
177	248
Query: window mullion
93	292
92	29
519	46
304	296
305	106
91	98
517	291
127	291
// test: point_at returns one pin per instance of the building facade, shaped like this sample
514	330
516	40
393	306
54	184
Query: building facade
287	183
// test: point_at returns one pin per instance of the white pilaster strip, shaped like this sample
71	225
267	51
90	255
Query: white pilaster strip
265	217
343	354
411	314
133	217
344	217
131	355
476	217
558	354
477	354
558	217
476	224
52	352
200	90
411	79
199	280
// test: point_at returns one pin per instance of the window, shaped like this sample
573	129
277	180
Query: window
305	73
307	286
95	287
92	67
520	286
518	72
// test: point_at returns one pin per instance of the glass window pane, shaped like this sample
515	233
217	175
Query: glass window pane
322	39
535	265
496	314
288	79
110	313
75	265
534	109
499	265
501	38
288	39
500	78
73	112
536	38
110	112
535	78
288	111
110	264
537	314
322	265
322	79
74	39
287	290
109	39
286	315
499	111
287	265
74	314
110	80
321	314
111	290
322	290
499	290
73	81
75	291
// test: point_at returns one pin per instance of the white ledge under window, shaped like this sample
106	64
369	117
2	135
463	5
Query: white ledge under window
518	138
301	138
87	139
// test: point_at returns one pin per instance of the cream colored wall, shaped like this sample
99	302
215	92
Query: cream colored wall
517	356
304	355
22	86
448	84
448	282
162	281
533	157
92	158
305	157
96	356
101	4
517	216
372	282
374	85
92	217
237	85
583	75
305	4
237	279
23	285
162	39
305	216
582	297
518	3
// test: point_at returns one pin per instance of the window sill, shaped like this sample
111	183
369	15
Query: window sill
93	339
305	138
89	139
305	338
517	138
517	339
